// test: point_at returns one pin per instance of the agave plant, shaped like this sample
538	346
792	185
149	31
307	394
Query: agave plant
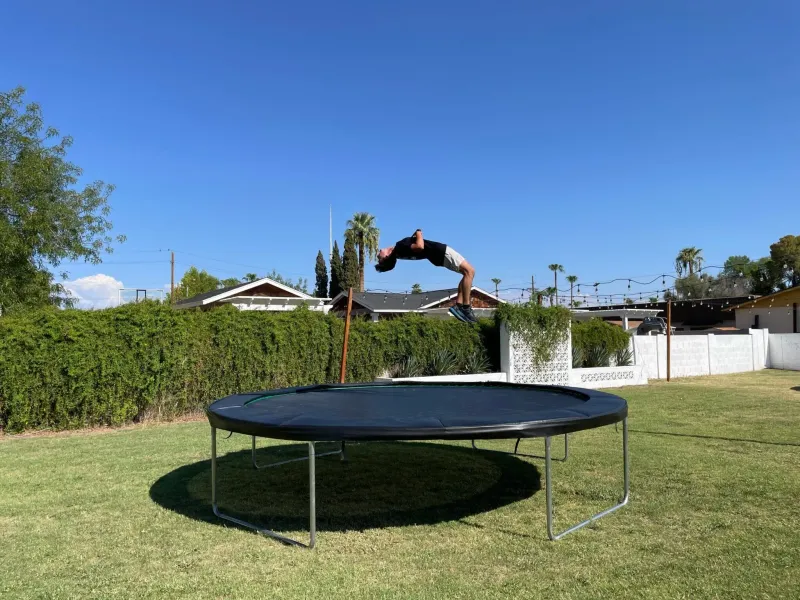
409	366
624	357
597	356
577	357
477	362
444	363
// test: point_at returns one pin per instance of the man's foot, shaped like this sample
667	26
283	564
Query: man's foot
467	310
456	311
463	312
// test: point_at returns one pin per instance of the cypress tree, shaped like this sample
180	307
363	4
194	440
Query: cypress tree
350	276
336	272
321	270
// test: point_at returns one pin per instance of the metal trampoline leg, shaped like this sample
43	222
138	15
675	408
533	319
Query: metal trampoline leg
549	492
283	462
312	491
516	450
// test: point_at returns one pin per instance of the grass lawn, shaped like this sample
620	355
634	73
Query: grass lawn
714	511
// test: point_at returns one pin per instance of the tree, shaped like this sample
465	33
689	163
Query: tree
195	282
321	271
45	218
765	277
785	254
693	286
250	277
688	259
496	283
556	269
365	236
337	272
737	266
350	277
230	282
550	292
653	299
573	279
629	301
416	289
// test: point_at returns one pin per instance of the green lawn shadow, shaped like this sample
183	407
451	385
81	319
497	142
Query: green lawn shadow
381	484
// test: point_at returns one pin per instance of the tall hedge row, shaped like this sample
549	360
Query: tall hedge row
69	369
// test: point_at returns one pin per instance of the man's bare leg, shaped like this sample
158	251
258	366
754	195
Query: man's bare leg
465	286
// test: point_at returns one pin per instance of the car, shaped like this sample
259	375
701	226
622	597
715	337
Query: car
652	325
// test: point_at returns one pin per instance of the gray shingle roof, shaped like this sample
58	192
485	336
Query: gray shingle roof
395	301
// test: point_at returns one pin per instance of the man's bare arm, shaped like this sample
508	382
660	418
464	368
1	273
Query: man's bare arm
419	243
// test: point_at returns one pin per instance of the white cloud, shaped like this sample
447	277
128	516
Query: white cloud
95	291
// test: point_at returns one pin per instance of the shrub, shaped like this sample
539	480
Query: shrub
623	358
63	369
477	362
444	363
596	333
596	356
408	367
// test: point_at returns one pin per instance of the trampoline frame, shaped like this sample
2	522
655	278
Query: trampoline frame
312	491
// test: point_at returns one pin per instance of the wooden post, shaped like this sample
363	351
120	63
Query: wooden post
669	337
346	334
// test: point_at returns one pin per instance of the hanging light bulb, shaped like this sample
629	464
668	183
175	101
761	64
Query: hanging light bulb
662	281
629	284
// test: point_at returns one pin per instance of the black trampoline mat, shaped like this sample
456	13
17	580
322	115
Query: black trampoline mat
409	410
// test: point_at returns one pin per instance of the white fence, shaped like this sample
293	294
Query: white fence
694	355
784	351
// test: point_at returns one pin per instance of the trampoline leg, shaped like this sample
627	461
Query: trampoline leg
312	505
549	492
283	462
516	450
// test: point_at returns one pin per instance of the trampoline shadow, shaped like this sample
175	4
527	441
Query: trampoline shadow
381	484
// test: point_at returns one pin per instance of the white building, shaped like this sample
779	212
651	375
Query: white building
262	294
776	312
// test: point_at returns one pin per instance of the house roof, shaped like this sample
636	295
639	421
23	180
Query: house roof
399	302
791	294
207	298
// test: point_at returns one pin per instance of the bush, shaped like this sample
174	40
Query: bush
71	368
599	339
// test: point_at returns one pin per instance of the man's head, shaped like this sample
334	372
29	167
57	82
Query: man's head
384	252
386	261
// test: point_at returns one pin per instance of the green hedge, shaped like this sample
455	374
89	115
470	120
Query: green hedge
71	368
596	333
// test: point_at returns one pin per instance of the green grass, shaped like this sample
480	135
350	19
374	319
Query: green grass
714	512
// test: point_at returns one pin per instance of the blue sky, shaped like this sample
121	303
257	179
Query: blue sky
603	136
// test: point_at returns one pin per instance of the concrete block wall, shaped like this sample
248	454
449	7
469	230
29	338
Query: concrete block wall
784	351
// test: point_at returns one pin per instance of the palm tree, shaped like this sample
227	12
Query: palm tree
250	277
365	235
496	283
572	280
550	292
556	268
689	259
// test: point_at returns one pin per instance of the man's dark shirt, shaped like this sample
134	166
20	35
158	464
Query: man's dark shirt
433	251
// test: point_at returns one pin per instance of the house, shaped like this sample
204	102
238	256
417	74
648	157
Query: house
776	312
261	294
380	305
628	318
687	315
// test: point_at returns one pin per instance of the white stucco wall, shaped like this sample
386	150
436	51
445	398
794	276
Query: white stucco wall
777	319
784	351
605	377
696	355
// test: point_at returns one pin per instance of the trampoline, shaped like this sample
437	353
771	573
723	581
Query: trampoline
414	411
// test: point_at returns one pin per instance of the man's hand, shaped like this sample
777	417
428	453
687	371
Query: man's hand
419	243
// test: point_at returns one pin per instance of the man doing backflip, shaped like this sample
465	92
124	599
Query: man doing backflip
440	255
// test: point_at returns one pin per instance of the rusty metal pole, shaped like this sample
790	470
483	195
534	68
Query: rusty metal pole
346	334
669	337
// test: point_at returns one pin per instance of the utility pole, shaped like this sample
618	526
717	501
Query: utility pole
172	279
533	291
